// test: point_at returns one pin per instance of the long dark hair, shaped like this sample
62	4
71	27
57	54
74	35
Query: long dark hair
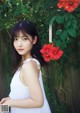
29	28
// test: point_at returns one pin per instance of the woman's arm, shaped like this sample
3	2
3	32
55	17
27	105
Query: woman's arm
24	103
31	78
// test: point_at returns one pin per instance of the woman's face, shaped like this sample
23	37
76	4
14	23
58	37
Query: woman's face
23	44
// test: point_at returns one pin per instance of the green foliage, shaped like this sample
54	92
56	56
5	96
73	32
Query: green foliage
39	12
13	11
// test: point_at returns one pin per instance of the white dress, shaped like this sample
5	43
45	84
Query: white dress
19	91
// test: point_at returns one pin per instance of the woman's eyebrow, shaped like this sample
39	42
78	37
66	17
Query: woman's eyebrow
22	37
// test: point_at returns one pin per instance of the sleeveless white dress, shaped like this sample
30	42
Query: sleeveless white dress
19	91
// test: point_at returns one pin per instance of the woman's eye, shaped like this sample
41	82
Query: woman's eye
15	38
25	38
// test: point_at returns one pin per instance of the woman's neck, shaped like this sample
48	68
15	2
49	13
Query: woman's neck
26	57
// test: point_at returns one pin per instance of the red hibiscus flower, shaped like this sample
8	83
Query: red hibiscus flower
61	4
50	52
68	5
56	53
46	50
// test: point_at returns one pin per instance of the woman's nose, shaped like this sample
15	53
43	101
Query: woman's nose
19	43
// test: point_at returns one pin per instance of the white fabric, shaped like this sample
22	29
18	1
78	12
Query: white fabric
20	91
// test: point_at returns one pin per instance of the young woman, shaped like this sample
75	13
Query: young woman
27	93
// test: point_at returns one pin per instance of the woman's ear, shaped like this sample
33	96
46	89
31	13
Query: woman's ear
35	39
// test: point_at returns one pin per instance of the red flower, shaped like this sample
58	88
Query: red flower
50	52
69	5
56	53
61	4
46	50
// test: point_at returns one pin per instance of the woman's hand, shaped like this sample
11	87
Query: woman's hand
7	102
4	100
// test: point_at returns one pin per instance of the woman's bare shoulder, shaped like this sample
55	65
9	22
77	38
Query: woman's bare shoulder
30	68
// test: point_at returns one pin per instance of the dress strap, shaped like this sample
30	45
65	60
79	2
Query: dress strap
29	59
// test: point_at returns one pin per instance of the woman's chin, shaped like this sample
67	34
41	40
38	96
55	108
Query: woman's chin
20	53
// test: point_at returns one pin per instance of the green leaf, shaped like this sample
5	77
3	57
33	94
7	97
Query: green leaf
61	44
58	32
67	24
72	32
64	35
52	20
59	19
58	42
74	24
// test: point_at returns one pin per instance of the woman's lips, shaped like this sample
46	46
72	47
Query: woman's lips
20	49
